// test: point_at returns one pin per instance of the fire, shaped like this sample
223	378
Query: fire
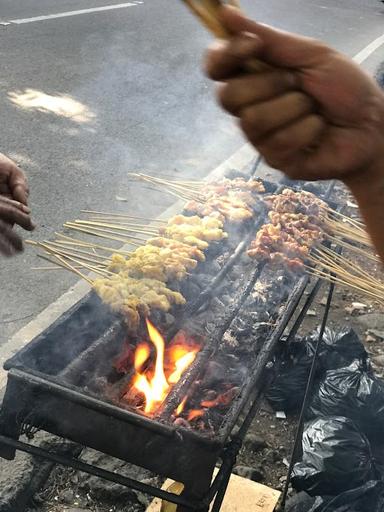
156	380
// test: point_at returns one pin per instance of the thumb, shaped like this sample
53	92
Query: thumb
279	48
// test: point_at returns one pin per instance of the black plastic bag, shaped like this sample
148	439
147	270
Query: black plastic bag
336	457
338	349
354	393
288	389
367	498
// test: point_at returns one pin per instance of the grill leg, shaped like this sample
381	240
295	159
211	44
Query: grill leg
188	494
197	488
10	418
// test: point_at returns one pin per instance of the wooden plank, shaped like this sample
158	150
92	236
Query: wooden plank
242	494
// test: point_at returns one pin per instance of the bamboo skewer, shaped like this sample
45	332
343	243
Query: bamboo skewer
346	218
337	264
207	20
79	251
356	234
147	231
67	266
341	263
55	267
207	12
69	254
181	191
73	269
344	277
56	253
105	233
69	240
353	248
329	277
95	233
126	216
364	284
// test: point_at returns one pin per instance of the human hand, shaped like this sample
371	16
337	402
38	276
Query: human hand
13	183
314	114
13	206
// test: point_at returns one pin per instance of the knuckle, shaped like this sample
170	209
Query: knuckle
249	118
299	102
280	81
225	96
280	141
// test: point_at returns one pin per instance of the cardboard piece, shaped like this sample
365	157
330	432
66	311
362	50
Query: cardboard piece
242	495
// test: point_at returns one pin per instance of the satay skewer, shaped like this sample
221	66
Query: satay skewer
70	240
146	231
104	233
124	215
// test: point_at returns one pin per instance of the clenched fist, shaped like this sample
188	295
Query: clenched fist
314	114
13	206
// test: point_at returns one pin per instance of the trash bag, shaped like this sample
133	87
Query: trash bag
354	393
338	349
336	457
367	498
287	391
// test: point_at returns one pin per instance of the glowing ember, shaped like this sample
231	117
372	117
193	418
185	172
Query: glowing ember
222	400
195	413
155	382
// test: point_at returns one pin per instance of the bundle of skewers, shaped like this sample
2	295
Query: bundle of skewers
231	201
135	282
138	278
302	234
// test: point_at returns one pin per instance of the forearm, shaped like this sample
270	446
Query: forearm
368	190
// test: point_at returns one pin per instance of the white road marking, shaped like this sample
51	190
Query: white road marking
368	50
73	13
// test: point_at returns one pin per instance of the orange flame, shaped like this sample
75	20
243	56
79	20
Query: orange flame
154	384
141	355
181	407
181	365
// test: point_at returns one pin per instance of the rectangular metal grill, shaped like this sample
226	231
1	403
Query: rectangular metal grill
53	385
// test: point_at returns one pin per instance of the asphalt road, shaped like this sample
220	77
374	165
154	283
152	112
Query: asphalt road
84	99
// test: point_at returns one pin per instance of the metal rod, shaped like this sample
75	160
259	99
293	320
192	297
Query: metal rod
96	471
308	389
300	318
180	389
266	350
229	460
92	403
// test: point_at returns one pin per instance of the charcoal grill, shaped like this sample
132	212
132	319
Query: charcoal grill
47	389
